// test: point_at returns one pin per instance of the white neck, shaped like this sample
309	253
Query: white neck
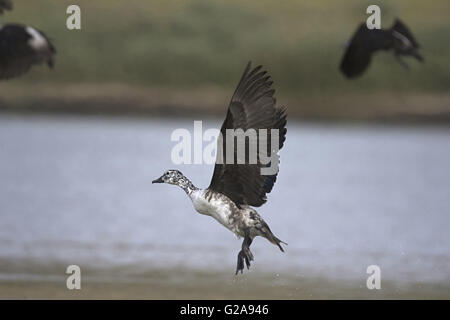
185	184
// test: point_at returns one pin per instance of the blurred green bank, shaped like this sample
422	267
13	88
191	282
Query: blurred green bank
199	48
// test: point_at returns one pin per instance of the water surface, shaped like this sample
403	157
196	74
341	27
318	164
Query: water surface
77	190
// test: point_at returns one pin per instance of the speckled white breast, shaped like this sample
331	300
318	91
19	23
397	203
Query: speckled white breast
216	207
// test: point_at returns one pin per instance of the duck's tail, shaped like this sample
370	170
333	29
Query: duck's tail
273	239
265	231
278	242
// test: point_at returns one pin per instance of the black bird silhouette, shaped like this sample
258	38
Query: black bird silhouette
21	47
365	42
5	5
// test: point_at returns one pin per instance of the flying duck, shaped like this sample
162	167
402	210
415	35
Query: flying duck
365	42
5	5
22	47
236	188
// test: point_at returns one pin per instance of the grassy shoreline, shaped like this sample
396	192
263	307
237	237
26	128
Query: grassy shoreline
183	58
124	99
199	42
215	285
26	279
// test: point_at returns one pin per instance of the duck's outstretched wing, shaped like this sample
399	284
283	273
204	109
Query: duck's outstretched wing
5	5
252	106
22	47
359	51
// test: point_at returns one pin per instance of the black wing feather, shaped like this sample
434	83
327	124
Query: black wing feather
252	106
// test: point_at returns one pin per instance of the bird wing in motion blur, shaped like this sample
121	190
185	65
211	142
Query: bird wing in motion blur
366	42
22	47
404	42
5	5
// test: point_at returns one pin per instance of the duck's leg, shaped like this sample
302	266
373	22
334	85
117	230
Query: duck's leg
245	255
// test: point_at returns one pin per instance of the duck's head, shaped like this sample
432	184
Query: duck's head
171	177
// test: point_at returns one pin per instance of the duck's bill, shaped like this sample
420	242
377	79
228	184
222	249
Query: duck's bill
159	180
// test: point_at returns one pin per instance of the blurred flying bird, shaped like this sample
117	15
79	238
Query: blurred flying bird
5	5
22	47
234	187
365	42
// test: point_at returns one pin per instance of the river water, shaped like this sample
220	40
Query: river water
77	190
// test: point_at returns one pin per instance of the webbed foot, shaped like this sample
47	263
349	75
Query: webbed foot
245	255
